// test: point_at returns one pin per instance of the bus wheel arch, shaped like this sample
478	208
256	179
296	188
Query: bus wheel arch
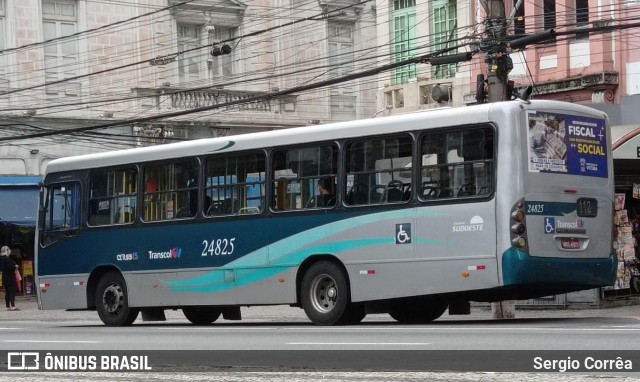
324	292
94	279
112	301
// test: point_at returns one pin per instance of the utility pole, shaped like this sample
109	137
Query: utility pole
497	56
498	89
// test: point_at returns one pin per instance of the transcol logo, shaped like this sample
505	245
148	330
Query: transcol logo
551	225
173	253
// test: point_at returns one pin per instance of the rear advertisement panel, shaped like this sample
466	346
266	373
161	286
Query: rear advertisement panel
567	144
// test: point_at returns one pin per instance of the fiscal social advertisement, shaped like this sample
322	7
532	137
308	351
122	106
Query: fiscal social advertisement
567	144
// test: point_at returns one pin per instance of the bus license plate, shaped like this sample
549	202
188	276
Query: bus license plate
570	243
587	207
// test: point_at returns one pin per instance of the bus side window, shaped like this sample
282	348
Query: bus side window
171	190
379	171
457	164
113	196
304	178
235	185
61	213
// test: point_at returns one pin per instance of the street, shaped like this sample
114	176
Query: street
241	349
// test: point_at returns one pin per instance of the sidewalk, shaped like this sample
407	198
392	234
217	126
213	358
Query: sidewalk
29	311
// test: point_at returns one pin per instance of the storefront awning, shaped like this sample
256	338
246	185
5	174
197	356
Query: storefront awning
19	200
626	141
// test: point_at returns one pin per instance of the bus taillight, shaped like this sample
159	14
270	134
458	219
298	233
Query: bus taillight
519	229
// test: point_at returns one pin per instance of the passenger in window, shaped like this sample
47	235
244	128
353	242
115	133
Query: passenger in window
325	197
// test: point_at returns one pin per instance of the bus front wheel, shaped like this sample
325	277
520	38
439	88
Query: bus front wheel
201	316
418	310
324	296
112	302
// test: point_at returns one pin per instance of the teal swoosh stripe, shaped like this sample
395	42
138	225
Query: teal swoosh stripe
229	144
292	254
214	282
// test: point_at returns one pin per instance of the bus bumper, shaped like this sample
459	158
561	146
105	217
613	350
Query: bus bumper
519	268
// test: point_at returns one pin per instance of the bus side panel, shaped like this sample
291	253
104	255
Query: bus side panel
253	289
451	248
151	289
64	291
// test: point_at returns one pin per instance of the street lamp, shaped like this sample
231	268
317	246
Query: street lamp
388	107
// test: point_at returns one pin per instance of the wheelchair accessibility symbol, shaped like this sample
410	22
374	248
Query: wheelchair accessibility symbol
549	225
403	233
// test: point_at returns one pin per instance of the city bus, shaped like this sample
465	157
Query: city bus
417	214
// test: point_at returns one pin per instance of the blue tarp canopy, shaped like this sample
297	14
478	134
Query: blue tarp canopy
19	200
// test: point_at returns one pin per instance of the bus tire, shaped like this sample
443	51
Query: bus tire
417	310
112	302
324	295
201	315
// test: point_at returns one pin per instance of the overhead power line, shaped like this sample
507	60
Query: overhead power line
256	33
366	73
88	31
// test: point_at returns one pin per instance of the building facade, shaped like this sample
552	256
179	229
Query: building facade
411	28
78	63
84	76
578	65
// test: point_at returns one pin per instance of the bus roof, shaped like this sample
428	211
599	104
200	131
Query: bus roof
377	126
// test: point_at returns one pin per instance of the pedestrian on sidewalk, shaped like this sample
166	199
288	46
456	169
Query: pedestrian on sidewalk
9	283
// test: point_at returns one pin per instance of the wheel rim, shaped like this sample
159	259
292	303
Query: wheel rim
112	298
324	293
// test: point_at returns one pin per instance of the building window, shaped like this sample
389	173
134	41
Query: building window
343	107
189	61
518	20
404	37
60	19
340	49
445	34
222	65
549	9
342	100
582	18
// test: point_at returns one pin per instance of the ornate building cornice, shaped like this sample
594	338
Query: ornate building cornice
598	87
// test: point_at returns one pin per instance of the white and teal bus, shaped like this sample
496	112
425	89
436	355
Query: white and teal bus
418	213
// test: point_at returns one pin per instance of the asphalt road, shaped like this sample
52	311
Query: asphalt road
287	329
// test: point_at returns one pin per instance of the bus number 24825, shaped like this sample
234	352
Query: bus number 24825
218	247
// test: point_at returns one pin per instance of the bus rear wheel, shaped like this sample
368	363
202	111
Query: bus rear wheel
418	310
324	295
201	316
112	302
